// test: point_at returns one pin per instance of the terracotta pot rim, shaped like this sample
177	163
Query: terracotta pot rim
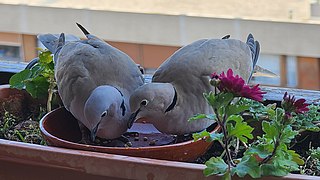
46	133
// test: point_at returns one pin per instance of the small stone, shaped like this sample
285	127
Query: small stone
136	138
97	141
145	138
152	143
128	144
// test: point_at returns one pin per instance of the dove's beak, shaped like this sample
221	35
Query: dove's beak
93	133
132	118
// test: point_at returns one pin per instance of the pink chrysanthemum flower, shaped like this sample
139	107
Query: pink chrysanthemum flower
290	104
236	85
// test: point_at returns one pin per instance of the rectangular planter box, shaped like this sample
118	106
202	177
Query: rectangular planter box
28	161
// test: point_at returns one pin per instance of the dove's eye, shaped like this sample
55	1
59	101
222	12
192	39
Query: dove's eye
144	102
104	114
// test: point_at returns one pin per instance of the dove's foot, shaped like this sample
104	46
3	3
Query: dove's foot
85	135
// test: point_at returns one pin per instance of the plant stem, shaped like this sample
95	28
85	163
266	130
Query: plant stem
222	124
276	145
50	94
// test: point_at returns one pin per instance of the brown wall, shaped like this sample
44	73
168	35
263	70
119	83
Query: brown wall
308	73
29	47
148	56
10	38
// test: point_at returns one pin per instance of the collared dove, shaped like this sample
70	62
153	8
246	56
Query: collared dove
176	91
95	81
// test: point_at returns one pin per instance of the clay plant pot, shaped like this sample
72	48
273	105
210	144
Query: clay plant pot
59	128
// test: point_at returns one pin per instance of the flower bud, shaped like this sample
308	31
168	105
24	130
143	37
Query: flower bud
215	82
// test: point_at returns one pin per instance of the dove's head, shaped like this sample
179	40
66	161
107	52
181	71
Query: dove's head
106	113
152	101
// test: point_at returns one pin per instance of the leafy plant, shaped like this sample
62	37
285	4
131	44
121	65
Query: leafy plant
312	163
39	80
263	155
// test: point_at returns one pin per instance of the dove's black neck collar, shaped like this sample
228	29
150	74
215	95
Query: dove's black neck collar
119	91
174	102
122	106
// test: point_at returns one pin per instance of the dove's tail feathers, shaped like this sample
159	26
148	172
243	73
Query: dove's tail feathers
226	36
85	32
255	51
49	41
254	48
60	44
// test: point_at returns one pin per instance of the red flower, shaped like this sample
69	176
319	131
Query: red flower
290	104
236	85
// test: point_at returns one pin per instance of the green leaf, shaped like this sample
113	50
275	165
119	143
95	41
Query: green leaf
211	98
234	109
219	100
248	165
209	136
45	57
240	130
288	134
226	176
225	98
202	116
38	87
18	80
200	135
262	150
270	130
307	120
271	170
315	153
279	115
296	157
215	136
215	165
37	70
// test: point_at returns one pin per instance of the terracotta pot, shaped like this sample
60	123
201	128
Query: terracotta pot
60	128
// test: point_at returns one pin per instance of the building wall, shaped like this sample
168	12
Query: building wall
252	9
151	38
295	38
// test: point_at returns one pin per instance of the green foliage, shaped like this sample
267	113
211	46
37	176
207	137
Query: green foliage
215	165
248	165
208	136
257	109
240	129
266	154
309	121
312	163
37	79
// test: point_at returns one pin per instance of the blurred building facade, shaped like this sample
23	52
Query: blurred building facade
150	31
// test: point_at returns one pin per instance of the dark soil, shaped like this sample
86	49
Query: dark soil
19	117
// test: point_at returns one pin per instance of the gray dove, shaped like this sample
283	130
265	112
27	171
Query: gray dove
176	91
95	81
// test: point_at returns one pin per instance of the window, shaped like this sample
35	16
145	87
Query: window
10	53
271	63
284	66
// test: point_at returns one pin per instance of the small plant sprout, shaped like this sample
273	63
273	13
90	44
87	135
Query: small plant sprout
245	153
